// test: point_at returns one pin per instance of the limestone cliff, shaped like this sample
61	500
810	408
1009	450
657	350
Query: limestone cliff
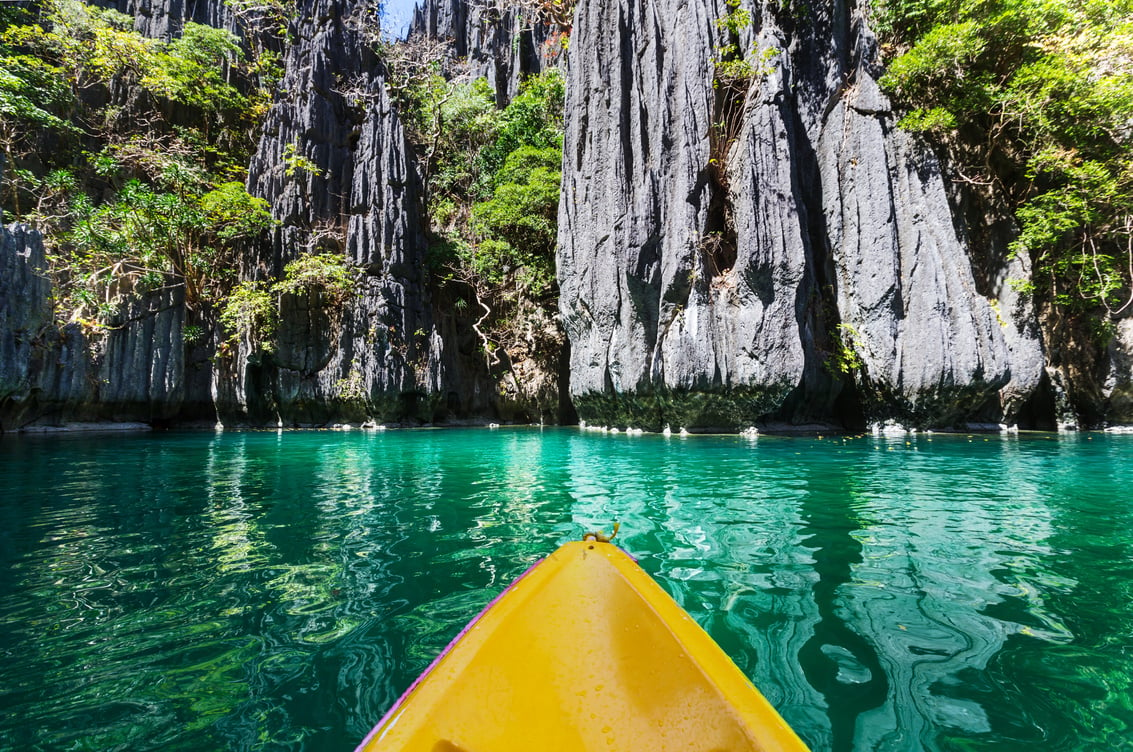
385	354
825	281
164	19
335	167
134	369
813	266
340	176
495	40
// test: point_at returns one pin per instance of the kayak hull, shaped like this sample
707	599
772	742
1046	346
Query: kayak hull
583	652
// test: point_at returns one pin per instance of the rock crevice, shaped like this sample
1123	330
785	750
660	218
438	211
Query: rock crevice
848	275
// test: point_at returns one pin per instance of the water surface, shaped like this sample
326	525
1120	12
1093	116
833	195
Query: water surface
264	591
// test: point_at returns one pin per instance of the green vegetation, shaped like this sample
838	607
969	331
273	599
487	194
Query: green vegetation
732	79
326	273
294	163
735	71
1033	99
534	118
250	313
147	237
492	188
518	225
128	153
847	344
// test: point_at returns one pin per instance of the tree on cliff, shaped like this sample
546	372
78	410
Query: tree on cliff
1033	98
492	180
127	153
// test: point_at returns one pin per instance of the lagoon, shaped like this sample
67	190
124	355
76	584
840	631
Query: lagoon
279	590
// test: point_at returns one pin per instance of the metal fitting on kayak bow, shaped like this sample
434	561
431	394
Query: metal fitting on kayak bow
601	536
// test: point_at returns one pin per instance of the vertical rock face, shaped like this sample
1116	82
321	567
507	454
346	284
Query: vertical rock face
334	165
133	370
1119	379
25	318
844	271
164	19
814	266
931	348
658	335
497	44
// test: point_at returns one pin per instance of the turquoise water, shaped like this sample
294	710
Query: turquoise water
263	591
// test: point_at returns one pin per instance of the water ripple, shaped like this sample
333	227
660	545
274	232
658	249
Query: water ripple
278	591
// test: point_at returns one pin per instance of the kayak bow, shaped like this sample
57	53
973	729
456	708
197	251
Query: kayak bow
583	652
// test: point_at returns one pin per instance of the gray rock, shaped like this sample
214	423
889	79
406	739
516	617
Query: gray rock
838	275
930	345
355	193
1118	387
141	363
656	337
499	46
1018	322
164	19
133	370
659	334
843	230
387	354
26	328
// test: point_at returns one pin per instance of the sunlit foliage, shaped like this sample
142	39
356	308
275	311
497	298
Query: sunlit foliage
128	153
1034	97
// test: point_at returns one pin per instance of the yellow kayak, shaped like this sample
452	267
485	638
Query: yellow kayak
583	652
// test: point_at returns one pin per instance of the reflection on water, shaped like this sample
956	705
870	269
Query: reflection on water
279	590
838	660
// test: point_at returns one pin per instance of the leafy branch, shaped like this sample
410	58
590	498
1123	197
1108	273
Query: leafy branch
1035	99
250	312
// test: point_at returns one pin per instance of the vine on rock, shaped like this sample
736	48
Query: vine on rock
250	312
734	73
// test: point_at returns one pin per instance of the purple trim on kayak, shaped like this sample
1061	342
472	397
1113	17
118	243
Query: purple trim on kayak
467	628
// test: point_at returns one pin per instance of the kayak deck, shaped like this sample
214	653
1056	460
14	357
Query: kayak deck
584	652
